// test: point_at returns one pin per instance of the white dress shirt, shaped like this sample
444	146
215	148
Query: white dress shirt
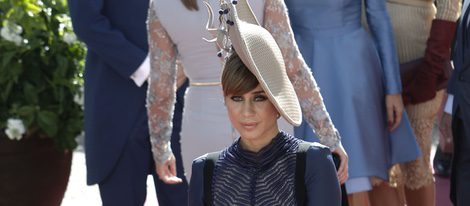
142	73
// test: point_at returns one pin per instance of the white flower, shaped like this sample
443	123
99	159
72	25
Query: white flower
15	129
69	37
12	32
17	39
15	28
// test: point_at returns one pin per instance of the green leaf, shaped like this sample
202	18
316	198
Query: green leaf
62	66
49	122
7	56
30	93
29	120
32	7
43	71
26	111
6	92
15	70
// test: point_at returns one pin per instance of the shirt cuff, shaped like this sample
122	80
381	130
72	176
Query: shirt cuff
142	73
448	107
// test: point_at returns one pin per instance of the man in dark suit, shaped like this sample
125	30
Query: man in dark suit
117	145
460	88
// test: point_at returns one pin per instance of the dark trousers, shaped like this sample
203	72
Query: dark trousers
460	182
126	185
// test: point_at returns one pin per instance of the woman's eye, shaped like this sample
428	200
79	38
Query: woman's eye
236	98
260	98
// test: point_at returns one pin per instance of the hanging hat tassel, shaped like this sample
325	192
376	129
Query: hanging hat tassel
220	34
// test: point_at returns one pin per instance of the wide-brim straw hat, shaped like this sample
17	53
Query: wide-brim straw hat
259	51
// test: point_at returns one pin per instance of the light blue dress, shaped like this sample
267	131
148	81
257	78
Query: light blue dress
354	70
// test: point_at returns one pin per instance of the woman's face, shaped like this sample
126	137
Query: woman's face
252	114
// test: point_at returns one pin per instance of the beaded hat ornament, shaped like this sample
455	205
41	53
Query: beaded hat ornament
239	31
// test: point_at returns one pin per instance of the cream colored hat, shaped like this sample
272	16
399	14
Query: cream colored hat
259	51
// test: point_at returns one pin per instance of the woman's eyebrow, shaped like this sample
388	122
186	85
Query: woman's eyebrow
258	92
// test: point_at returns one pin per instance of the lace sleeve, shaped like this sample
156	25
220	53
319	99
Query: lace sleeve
161	87
276	21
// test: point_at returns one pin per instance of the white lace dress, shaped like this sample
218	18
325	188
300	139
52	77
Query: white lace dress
176	33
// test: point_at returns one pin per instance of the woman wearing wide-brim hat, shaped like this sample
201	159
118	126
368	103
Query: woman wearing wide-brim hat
264	166
176	29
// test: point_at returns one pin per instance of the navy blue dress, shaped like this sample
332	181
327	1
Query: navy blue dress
268	176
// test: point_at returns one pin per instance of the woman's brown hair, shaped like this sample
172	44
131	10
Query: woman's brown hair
236	78
190	4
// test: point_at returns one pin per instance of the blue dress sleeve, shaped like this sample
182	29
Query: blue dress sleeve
382	33
321	179
110	44
196	184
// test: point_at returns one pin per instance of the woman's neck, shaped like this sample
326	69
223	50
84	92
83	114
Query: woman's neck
255	145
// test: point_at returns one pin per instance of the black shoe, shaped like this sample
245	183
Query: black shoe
442	163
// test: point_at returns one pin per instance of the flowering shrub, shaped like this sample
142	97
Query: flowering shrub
41	65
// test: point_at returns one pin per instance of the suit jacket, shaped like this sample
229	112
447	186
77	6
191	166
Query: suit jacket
459	84
116	37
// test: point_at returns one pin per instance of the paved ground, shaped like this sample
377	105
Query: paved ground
442	191
79	194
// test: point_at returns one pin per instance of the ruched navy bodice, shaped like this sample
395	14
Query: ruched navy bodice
267	177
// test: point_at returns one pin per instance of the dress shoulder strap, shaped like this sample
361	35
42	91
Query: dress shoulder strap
301	158
209	165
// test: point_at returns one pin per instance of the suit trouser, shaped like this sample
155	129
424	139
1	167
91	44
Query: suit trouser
126	185
461	163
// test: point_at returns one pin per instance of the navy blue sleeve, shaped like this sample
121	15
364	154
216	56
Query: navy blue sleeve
110	44
196	184
321	179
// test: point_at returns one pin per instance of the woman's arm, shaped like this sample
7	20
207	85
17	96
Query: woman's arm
320	178
161	96
381	30
382	33
431	71
277	22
